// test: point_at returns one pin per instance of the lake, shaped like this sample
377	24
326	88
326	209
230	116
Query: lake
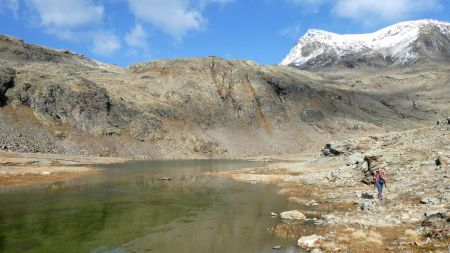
127	208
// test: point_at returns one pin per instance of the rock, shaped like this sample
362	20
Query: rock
367	195
6	82
316	250
333	149
430	201
46	173
277	247
356	158
273	214
312	203
437	213
293	215
326	152
367	205
442	159
310	242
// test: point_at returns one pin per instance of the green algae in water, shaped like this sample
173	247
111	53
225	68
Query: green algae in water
127	208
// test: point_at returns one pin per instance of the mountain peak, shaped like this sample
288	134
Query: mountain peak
397	44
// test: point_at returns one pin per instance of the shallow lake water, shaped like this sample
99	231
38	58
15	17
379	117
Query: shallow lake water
126	208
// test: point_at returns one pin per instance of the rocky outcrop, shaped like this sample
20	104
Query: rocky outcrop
74	101
6	82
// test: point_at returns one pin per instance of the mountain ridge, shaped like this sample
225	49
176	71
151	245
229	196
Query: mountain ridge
58	102
399	44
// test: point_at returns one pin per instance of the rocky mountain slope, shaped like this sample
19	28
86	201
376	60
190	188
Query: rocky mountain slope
60	102
404	43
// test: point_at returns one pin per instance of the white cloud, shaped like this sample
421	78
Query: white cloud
174	17
292	31
67	13
12	5
105	43
78	21
137	37
369	12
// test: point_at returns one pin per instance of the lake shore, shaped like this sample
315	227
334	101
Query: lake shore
18	169
412	217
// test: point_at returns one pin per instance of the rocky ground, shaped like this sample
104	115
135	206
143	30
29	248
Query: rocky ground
414	214
18	169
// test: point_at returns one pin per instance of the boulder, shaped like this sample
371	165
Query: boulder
437	213
367	205
310	242
367	195
336	148
292	215
430	201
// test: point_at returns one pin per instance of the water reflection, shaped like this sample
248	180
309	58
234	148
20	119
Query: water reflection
129	209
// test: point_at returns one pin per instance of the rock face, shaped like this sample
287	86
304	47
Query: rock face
400	44
58	101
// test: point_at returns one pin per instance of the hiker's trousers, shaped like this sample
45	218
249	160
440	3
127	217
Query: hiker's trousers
379	184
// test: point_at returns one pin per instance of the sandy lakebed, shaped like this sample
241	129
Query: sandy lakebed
17	169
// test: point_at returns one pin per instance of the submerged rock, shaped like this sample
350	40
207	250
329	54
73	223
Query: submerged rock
292	215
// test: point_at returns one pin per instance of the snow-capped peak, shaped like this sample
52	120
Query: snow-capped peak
393	42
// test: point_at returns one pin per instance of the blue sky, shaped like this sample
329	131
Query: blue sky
124	32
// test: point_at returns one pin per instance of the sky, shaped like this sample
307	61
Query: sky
124	32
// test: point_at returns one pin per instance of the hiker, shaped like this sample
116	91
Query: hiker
379	178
